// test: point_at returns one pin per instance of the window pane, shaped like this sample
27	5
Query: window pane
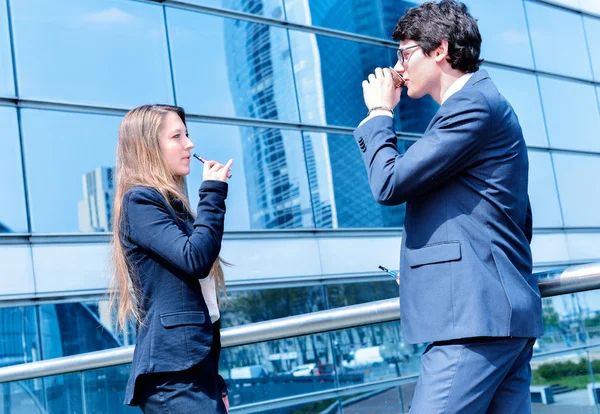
267	368
221	142
16	266
329	74
542	191
259	305
573	174
98	52
355	206
249	73
569	3
592	30
105	390
269	187
12	208
558	41
278	369
571	113
267	8
362	292
503	29
521	90
75	328
376	19
69	162
590	6
320	180
19	333
7	86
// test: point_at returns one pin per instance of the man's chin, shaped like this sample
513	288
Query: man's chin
413	94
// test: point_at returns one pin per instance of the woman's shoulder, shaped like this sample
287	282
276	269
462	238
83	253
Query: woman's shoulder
143	195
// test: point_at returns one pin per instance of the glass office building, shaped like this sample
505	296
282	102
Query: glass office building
275	85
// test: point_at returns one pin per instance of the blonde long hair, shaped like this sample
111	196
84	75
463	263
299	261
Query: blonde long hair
140	162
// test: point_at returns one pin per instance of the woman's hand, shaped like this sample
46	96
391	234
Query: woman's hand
216	171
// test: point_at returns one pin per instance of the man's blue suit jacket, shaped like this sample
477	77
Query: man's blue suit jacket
465	263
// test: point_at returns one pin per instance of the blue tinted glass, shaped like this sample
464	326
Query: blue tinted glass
220	143
592	30
229	67
267	8
590	6
329	74
571	114
75	328
7	86
99	52
573	175
12	207
318	166
370	18
569	3
69	163
521	90
355	206
503	30
542	191
558	41
269	185
19	333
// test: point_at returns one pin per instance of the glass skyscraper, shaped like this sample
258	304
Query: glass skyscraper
275	85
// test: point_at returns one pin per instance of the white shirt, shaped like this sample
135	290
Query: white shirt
456	86
209	292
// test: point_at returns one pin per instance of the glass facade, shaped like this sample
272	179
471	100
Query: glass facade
275	85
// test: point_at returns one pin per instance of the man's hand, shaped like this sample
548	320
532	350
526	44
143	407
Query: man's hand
226	402
379	89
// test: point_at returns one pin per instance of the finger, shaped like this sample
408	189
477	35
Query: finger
227	167
206	167
379	73
209	164
372	77
217	166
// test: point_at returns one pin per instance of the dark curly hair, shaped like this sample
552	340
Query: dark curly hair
431	22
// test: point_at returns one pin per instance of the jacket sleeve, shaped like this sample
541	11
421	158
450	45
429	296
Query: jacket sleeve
151	226
451	145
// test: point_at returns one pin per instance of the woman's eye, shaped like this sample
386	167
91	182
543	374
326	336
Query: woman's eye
176	136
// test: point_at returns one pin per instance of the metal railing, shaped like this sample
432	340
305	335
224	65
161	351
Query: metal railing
552	283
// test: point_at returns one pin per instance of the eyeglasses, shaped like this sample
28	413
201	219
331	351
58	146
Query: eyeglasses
400	53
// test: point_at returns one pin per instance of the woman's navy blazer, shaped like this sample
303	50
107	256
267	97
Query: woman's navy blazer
168	252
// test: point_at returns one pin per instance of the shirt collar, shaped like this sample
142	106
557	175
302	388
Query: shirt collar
456	86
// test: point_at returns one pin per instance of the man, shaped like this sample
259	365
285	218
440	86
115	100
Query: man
465	265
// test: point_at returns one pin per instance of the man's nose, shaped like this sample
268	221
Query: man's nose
399	68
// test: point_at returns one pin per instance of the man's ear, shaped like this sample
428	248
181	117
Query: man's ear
441	53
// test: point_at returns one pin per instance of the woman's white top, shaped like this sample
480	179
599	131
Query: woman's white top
210	297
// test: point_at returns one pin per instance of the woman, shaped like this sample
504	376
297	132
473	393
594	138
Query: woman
160	255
